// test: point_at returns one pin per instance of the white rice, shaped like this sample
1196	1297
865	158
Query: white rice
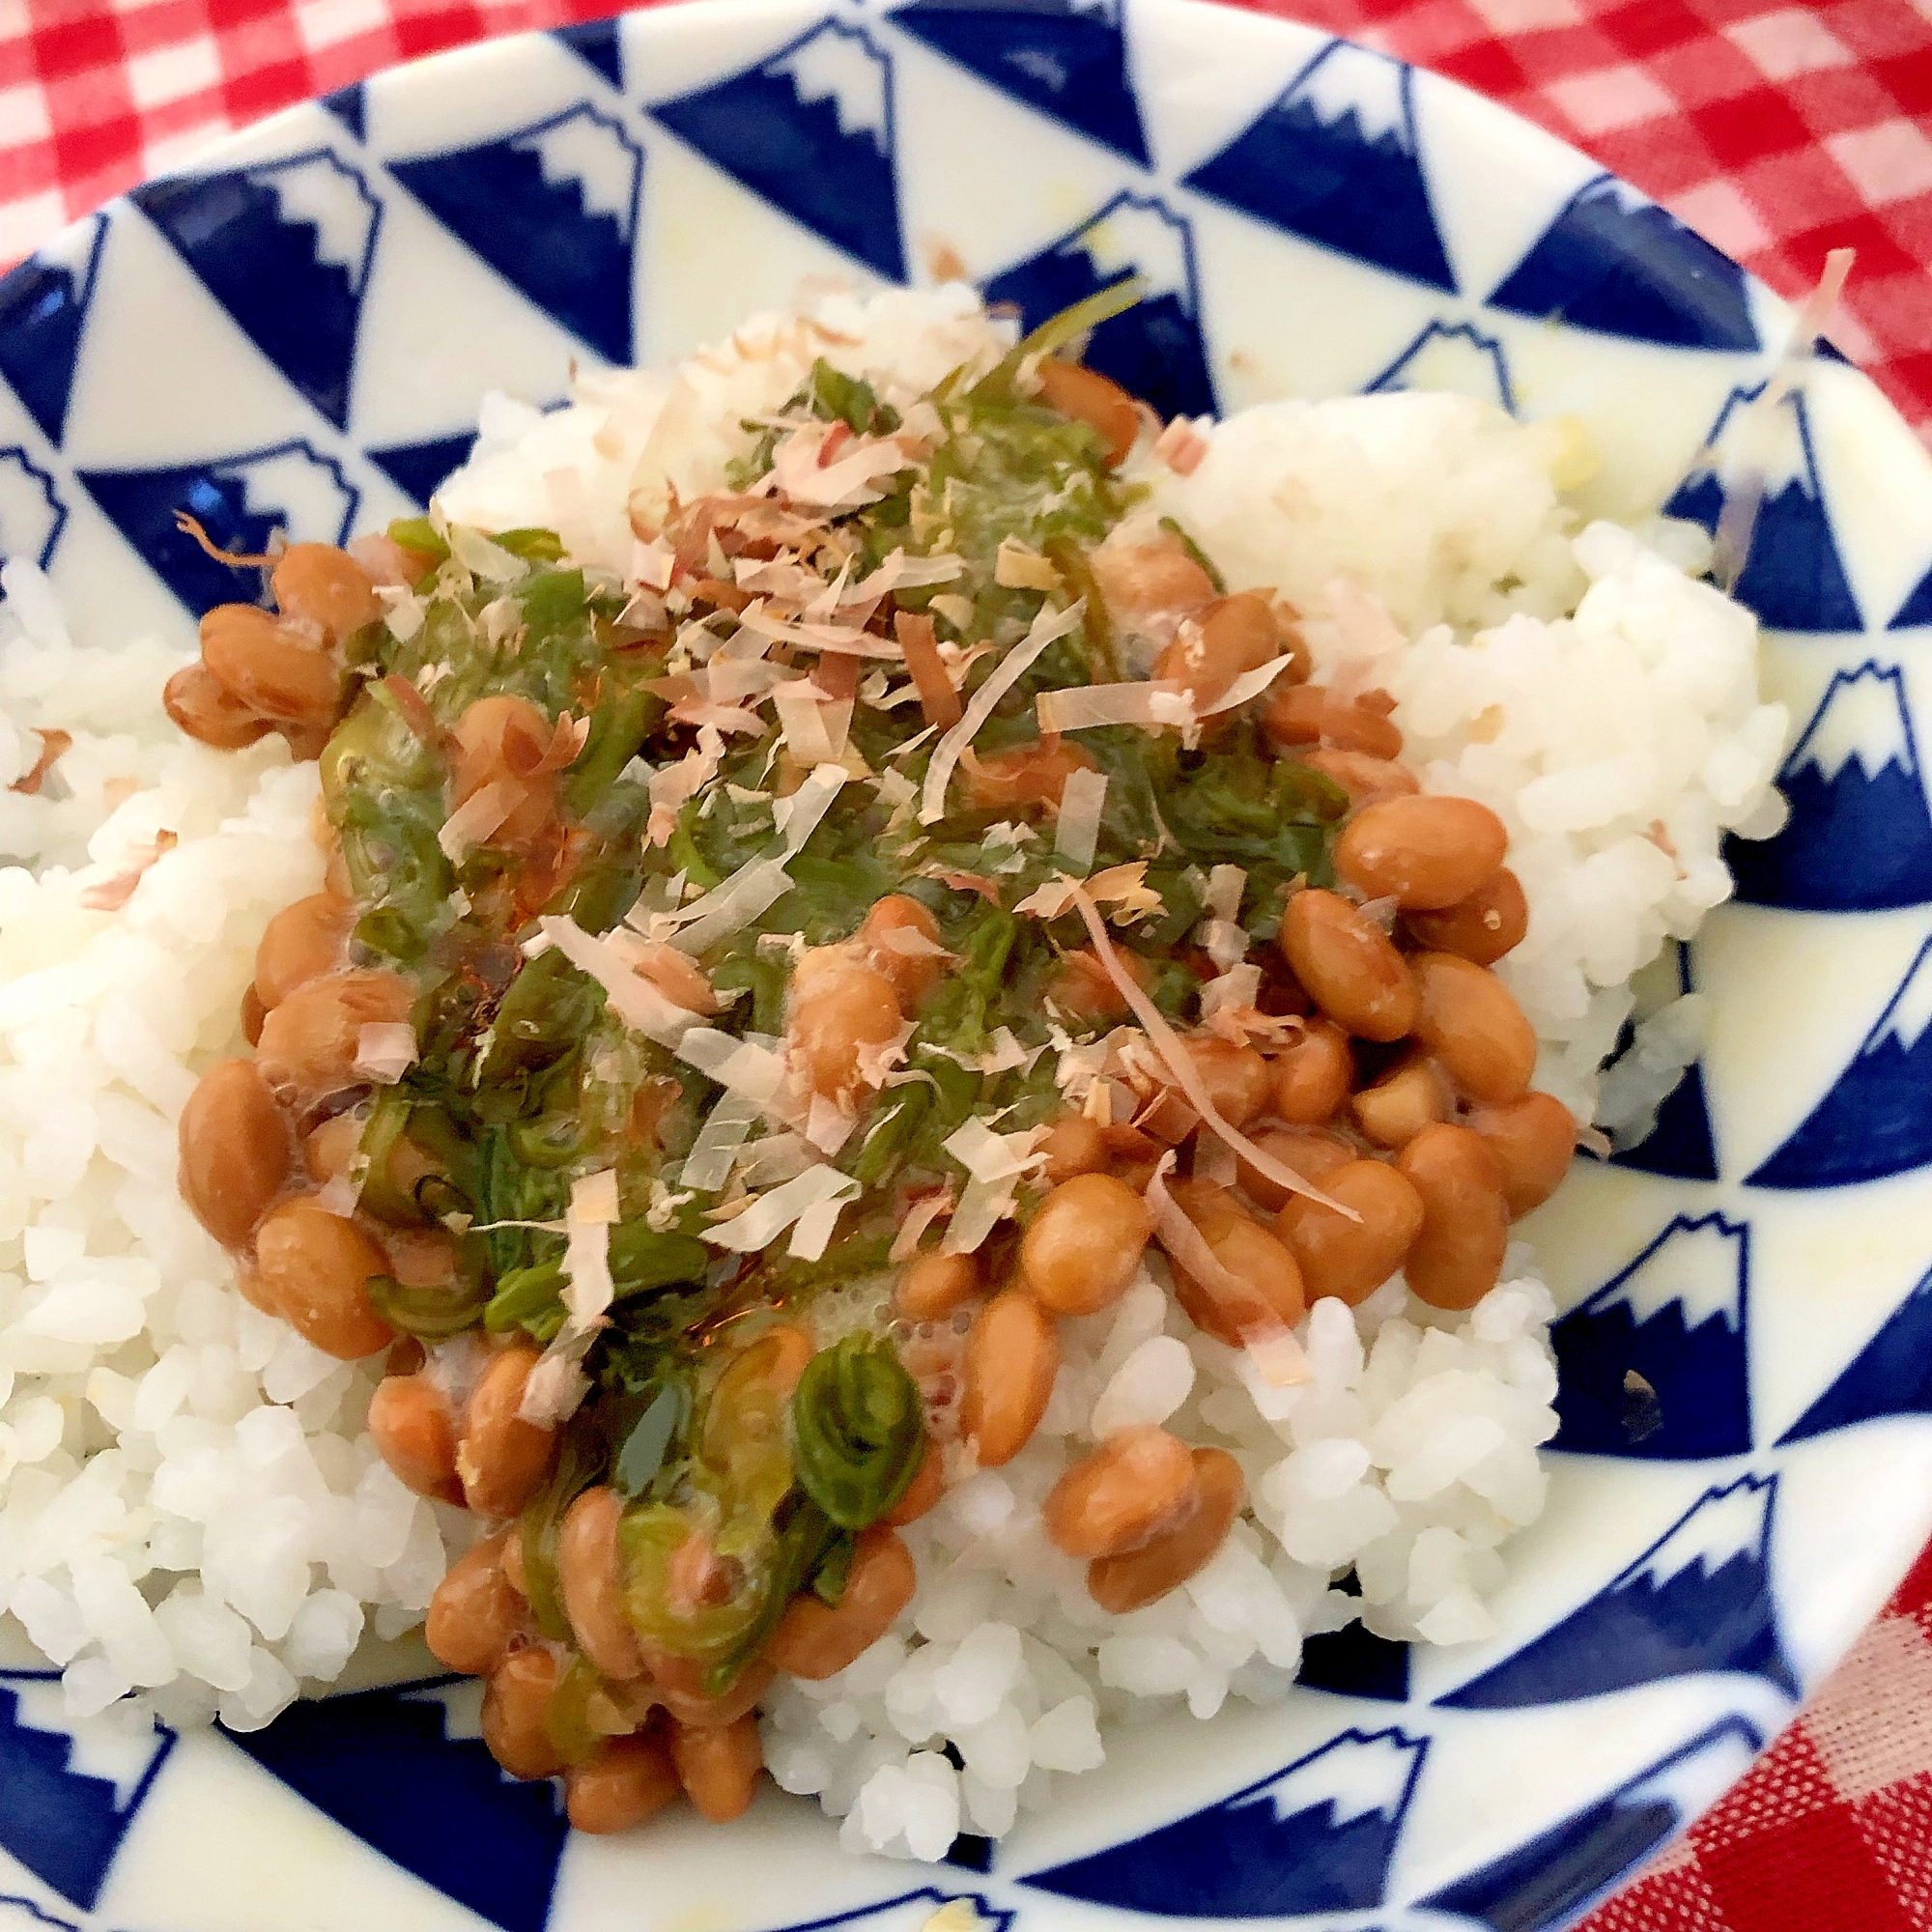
189	1506
1582	684
1443	508
107	699
189	1509
1412	1457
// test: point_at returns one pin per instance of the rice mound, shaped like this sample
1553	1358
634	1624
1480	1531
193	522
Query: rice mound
1582	684
189	1506
1443	508
192	1518
1410	1458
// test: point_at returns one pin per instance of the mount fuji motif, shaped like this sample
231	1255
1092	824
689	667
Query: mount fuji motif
1154	351
284	249
1335	160
68	1790
596	42
1699	1599
1547	1881
1451	355
22	1915
32	515
913	1911
1677	1318
811	129
1917	610
1616	262
1892	1374
1316	1838
238	500
1793	577
1877	1118
468	1828
552	208
1860	836
1067	58
416	467
42	307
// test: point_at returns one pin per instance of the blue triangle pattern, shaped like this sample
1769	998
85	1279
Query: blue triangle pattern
1917	610
1793	577
42	307
1154	351
285	247
1335	160
1860	834
239	500
1693	1359
554	209
968	1852
1892	1374
1876	1118
1316	1836
810	128
1062	57
415	469
1697	1600
32	515
1354	1663
1618	264
1479	348
351	106
469	1830
64	1826
597	42
1680	1147
1545	1882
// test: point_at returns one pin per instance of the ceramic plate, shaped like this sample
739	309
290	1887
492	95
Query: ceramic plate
297	337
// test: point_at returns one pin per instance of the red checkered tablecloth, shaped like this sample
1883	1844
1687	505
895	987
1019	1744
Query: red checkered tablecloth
1777	131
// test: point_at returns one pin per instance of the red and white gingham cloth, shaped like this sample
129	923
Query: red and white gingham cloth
1778	131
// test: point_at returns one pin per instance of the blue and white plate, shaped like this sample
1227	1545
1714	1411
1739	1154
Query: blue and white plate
297	337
